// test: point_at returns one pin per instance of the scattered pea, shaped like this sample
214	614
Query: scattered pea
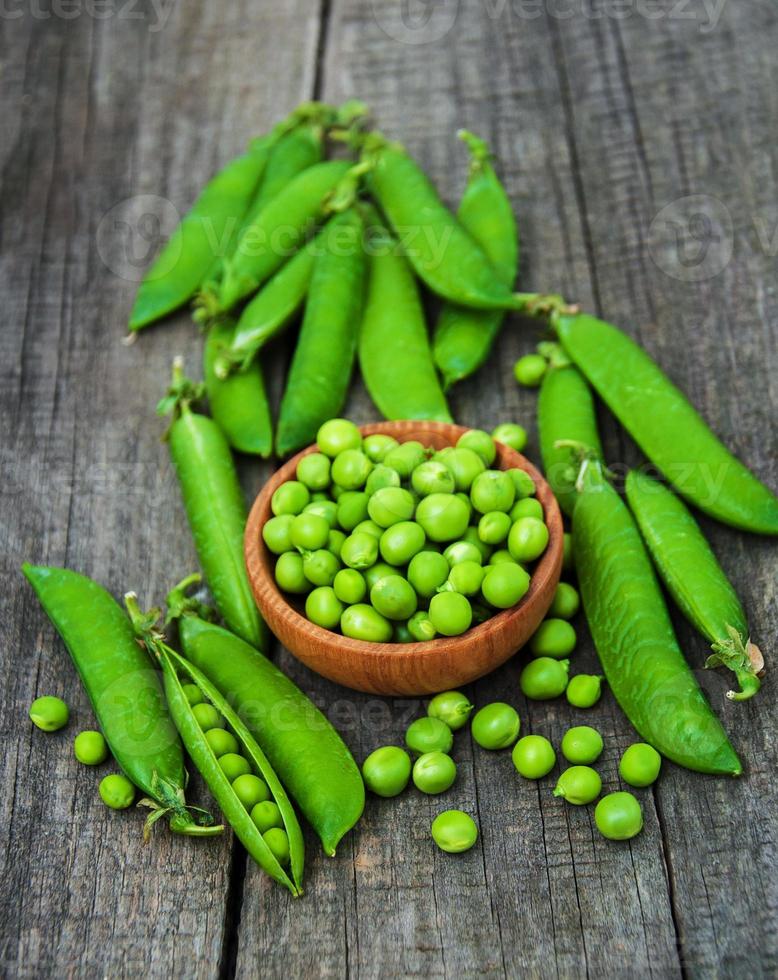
90	748
529	370
453	708
582	744
434	772
584	690
544	678
496	726
566	602
510	434
454	831
533	756
579	785
386	771
116	791
428	735
49	713
618	816
640	764
553	638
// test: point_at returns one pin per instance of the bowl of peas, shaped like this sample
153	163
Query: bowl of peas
404	557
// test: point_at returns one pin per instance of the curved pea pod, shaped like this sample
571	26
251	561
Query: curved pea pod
696	581
214	507
123	687
304	749
202	235
277	232
394	351
463	336
238	403
207	764
566	413
323	360
665	425
634	637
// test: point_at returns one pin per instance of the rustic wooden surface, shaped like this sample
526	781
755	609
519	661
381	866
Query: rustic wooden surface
606	119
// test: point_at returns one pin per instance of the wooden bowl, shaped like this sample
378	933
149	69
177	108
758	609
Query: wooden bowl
405	668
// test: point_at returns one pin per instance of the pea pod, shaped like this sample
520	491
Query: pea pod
324	356
394	351
277	232
634	637
694	578
463	336
302	746
204	758
214	507
666	427
238	403
124	690
566	413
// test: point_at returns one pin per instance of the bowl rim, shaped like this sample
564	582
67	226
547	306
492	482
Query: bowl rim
264	584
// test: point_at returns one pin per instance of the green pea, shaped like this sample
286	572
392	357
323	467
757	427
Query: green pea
266	815
510	434
544	678
453	708
427	571
362	622
382	476
428	735
233	765
443	516
466	577
566	602
640	764
568	561
221	741
327	509
401	633
579	785
359	551
527	539
505	584
289	574
250	789
386	771
432	476
459	551
434	772
376	572
494	526
335	541
49	713
451	613
522	483
394	597
421	627
290	498
323	607
275	533
313	471
618	816
116	791
320	567
480	442
337	435
369	527
309	531
584	690
352	509
533	756
471	535
530	369
278	843
496	726
454	831
492	490
553	638
390	505
207	716
376	447
400	542
349	586
464	464
501	556
527	507
582	744
405	457
90	748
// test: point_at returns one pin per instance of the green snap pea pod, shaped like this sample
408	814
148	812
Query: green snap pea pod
214	506
238	403
634	637
205	759
192	249
463	336
124	689
321	368
304	749
696	581
394	351
566	412
277	232
666	427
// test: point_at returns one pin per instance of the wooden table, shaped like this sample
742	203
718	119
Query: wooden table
638	145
